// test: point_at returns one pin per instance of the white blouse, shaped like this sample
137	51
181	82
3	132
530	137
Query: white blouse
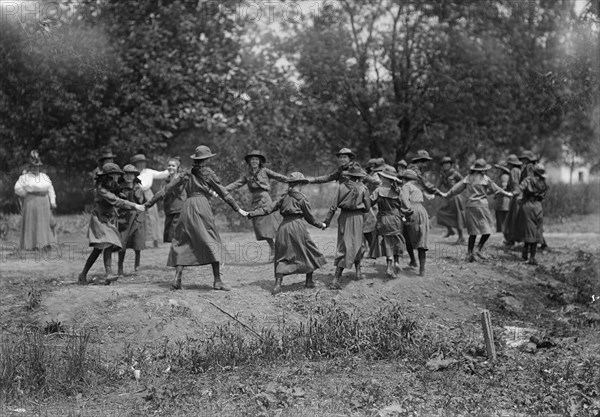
35	183
147	177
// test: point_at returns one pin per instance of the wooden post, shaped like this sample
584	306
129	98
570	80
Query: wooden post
488	335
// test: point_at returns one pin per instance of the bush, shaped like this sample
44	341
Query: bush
564	200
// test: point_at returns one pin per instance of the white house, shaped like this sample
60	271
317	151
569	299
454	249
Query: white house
558	172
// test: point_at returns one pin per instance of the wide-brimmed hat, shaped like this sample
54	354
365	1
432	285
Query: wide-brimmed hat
34	159
539	170
409	174
107	154
297	178
356	171
260	155
110	168
389	172
140	157
202	152
422	155
503	167
513	160
446	160
530	156
402	162
130	169
346	151
480	165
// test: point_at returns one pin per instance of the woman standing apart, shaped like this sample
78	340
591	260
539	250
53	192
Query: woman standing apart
196	240
147	177
103	233
477	211
35	189
258	180
295	251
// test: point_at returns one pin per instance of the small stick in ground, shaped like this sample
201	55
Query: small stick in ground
250	329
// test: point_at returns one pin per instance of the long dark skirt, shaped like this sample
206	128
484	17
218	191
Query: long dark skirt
196	240
134	237
295	251
36	230
264	226
510	226
417	227
500	217
351	243
479	221
452	214
171	221
530	223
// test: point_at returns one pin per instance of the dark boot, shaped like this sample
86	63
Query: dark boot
422	257
271	249
110	278
525	252
218	284
449	232
137	260
176	284
532	251
309	281
359	274
277	287
120	263
335	284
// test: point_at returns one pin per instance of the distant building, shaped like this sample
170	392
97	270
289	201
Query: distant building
563	173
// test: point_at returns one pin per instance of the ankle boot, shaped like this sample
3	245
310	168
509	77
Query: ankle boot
277	287
422	258
335	284
525	252
309	281
359	275
176	284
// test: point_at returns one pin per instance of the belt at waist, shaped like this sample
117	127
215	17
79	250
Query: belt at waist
353	210
38	193
292	216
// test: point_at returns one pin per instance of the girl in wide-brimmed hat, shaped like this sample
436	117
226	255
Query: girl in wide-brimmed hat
345	158
103	232
391	210
196	240
258	179
131	223
353	200
36	191
295	251
419	166
531	216
416	228
452	213
477	212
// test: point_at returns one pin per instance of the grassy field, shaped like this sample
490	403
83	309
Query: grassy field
410	346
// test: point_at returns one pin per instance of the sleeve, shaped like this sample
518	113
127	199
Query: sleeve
405	196
427	186
333	176
20	186
332	209
308	215
492	187
113	200
374	197
160	175
167	188
264	211
366	200
240	182
458	188
215	184
51	192
276	176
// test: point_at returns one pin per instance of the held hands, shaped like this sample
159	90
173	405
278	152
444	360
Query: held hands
323	226
53	206
243	212
443	195
140	207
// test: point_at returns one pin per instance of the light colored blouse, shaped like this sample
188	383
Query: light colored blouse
35	183
147	177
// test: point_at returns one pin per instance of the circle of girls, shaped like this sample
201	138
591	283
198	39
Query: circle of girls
381	212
